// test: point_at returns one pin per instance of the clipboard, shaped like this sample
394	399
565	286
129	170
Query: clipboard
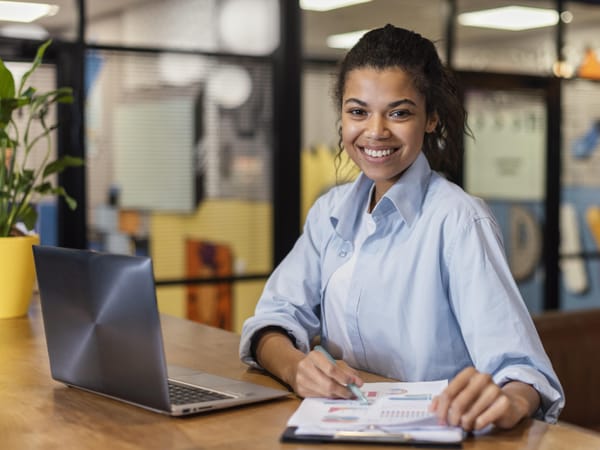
371	437
396	413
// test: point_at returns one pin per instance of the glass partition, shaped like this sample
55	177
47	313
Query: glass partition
580	160
179	126
505	164
527	50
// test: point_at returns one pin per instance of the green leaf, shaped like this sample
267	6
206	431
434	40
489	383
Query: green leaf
36	62
28	216
64	95
61	164
71	202
7	106
44	188
7	82
27	175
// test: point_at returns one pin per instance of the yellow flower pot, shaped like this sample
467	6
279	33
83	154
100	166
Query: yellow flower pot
17	275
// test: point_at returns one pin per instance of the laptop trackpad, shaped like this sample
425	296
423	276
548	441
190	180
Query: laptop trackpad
206	380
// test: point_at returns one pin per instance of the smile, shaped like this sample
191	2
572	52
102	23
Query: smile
378	153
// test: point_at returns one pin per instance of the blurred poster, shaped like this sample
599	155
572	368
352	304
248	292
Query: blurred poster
506	160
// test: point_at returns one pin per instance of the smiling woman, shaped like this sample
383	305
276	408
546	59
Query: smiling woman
401	273
384	120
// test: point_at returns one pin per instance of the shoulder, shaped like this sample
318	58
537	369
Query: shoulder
449	201
335	194
457	215
327	203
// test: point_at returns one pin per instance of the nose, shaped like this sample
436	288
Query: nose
377	127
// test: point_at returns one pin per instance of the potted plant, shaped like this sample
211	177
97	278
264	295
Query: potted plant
21	183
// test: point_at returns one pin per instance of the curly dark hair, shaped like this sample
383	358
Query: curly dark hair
394	47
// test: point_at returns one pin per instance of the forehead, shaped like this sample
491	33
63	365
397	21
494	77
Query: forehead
392	81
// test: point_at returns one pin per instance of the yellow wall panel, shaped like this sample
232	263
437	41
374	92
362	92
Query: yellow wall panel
243	225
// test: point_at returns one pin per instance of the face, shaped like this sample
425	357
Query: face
383	123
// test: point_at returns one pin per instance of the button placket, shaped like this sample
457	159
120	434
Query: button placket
345	249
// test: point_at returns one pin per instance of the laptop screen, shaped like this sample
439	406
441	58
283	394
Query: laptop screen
102	323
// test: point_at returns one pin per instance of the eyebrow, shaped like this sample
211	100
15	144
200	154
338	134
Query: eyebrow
390	105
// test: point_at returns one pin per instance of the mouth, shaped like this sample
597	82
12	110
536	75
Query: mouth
378	152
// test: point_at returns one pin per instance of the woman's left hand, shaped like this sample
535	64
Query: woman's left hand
473	401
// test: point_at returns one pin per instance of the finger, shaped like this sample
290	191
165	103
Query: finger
306	379
314	379
355	377
496	412
434	404
452	390
338	371
487	396
470	394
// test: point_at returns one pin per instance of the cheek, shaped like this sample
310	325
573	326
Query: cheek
349	132
416	137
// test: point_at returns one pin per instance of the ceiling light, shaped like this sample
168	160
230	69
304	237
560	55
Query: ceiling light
566	16
24	31
327	5
345	40
25	12
513	18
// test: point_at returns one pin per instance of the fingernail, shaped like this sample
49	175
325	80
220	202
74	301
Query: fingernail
478	423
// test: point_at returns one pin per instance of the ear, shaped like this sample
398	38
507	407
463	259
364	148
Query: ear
432	122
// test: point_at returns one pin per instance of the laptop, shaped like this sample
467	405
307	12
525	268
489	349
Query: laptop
104	336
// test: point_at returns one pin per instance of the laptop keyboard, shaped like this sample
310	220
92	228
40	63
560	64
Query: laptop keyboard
182	395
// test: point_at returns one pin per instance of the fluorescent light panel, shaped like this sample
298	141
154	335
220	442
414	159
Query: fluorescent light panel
327	5
25	12
513	18
345	40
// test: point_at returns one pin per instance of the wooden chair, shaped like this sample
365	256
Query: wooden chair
572	341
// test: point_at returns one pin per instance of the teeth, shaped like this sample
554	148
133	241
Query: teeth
378	153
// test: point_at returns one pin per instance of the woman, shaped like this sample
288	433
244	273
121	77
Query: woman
401	273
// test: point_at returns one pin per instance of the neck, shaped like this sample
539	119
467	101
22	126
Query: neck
374	200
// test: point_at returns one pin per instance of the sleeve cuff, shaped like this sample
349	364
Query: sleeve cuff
552	397
250	340
260	333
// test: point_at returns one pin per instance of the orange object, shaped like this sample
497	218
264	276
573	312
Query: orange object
210	304
593	221
129	221
590	67
8	156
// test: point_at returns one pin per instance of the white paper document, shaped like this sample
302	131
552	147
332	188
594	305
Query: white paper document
395	410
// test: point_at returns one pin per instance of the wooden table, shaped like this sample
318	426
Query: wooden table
39	413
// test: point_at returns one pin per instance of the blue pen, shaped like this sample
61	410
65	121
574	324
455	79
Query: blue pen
353	388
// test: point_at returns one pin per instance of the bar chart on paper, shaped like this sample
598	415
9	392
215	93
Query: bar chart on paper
395	412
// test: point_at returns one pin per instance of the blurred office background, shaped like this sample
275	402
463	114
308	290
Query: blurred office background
208	130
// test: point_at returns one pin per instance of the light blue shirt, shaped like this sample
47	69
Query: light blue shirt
431	291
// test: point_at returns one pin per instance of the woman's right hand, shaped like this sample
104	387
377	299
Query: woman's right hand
309	375
316	376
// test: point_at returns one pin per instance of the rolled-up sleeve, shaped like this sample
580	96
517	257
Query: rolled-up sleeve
291	298
495	323
552	398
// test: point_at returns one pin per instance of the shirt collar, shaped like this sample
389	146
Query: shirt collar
406	196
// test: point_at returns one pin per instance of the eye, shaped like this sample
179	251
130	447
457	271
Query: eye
400	114
356	111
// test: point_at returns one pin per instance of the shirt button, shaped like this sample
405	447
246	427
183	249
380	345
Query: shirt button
343	253
371	225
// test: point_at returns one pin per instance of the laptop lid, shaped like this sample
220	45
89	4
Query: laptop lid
103	331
